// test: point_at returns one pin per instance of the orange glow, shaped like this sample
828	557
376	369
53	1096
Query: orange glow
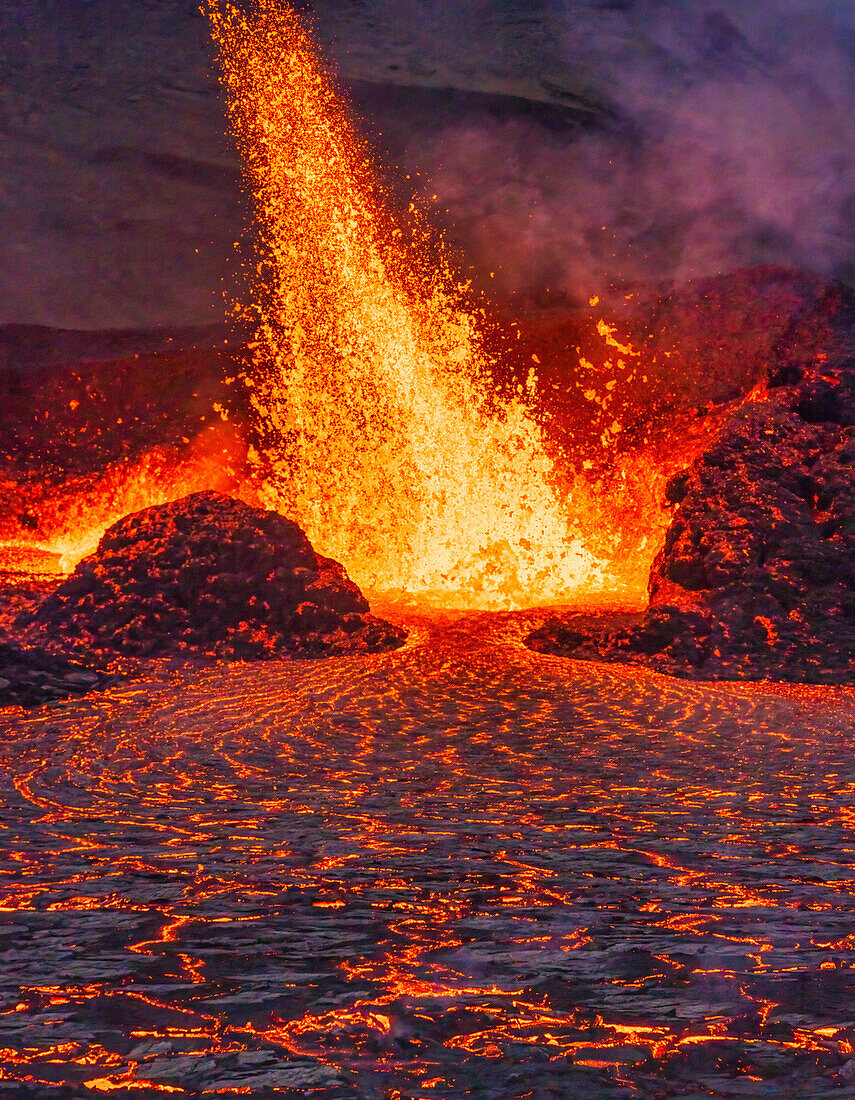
79	511
127	1084
378	421
607	332
380	435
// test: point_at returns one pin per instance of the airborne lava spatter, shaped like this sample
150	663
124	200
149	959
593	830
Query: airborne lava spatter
380	437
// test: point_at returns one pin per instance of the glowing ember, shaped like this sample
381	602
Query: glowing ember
77	512
378	432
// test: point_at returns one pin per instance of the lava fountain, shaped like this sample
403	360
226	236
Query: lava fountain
377	428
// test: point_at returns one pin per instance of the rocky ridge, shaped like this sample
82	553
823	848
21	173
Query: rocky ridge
756	579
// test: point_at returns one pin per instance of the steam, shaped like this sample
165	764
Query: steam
701	134
699	138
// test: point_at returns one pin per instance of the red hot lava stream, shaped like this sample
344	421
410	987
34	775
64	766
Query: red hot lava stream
446	870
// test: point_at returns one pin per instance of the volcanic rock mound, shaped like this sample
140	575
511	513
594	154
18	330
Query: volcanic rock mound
211	575
31	676
756	579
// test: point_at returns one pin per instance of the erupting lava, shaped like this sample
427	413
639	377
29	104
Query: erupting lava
377	429
409	441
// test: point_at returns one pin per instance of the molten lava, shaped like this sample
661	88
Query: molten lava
409	440
70	517
379	433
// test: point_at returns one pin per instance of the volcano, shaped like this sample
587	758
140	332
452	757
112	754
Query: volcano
260	838
749	536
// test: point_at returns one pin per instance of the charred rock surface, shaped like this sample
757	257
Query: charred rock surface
31	676
212	576
756	579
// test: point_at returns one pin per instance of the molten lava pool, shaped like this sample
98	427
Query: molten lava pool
457	869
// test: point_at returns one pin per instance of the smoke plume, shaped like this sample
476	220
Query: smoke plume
666	139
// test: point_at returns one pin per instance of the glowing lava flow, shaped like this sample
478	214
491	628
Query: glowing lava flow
378	434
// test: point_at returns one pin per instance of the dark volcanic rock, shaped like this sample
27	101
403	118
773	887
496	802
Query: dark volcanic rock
214	576
756	579
30	676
